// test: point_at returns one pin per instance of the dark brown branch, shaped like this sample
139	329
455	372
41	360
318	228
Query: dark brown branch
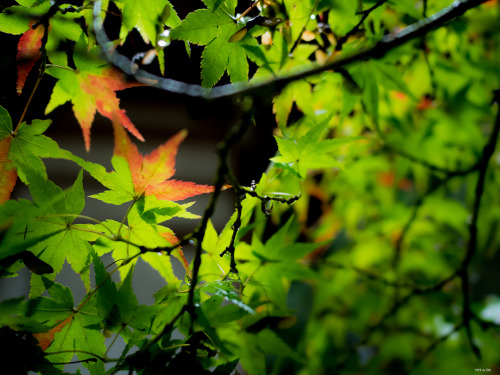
463	273
223	150
236	227
370	275
430	166
266	198
449	174
377	51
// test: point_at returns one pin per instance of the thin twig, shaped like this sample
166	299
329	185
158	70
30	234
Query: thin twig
297	41
364	15
223	150
433	346
401	302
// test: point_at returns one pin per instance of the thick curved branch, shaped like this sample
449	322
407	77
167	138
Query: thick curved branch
387	43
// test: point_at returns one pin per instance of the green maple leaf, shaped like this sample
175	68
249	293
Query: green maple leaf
146	15
309	151
149	17
119	306
275	260
213	29
68	242
14	316
139	232
29	145
72	328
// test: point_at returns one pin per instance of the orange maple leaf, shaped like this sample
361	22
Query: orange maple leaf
96	91
28	53
92	89
100	95
151	173
8	172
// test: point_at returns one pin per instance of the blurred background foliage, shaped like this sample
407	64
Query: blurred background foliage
388	260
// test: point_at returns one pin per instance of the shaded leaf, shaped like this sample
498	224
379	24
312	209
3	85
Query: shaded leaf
8	173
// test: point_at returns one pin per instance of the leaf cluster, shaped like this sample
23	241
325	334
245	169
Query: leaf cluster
356	251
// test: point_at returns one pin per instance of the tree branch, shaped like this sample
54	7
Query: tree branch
377	51
463	273
433	346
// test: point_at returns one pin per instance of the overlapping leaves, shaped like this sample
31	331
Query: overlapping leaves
213	27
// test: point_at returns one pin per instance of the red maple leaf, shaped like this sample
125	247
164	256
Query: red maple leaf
28	53
151	173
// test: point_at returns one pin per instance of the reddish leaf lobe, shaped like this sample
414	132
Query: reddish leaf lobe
100	95
151	173
177	253
28	53
8	172
46	338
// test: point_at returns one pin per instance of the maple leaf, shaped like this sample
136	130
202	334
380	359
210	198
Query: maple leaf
91	90
72	328
151	173
213	28
28	53
8	172
177	253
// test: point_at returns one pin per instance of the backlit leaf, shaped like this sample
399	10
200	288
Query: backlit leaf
28	53
216	30
90	91
151	174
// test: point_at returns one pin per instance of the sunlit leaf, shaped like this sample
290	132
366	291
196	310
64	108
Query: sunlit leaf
90	91
28	54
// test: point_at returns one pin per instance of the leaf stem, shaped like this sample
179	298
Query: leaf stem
80	351
126	216
81	217
297	41
21	119
61	67
114	340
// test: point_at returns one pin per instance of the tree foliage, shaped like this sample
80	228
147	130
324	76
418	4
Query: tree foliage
360	249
